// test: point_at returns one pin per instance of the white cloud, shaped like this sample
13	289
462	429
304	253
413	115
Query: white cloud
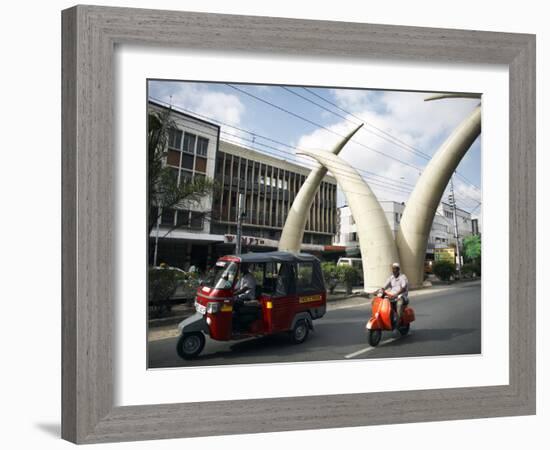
468	198
200	99
206	101
352	100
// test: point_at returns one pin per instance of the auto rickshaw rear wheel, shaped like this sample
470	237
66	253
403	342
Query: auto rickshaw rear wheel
300	332
190	345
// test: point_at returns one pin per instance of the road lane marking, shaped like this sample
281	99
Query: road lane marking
336	308
368	349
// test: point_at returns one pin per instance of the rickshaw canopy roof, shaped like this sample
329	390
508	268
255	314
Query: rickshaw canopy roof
253	258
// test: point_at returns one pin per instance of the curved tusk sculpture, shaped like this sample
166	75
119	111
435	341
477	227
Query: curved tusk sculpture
293	230
414	229
451	95
378	249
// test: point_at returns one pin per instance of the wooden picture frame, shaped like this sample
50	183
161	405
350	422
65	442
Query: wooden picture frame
90	34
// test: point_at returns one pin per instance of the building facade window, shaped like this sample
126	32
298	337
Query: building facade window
200	164
167	217
174	138
185	176
187	162
189	143
449	214
182	219
173	158
197	220
202	146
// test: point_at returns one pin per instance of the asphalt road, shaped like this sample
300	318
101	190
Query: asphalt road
448	322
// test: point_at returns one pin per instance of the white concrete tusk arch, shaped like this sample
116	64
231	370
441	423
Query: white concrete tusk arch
293	230
378	249
414	229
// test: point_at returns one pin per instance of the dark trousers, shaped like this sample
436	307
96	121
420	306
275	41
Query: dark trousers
245	315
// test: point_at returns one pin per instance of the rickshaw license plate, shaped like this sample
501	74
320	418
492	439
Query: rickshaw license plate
200	308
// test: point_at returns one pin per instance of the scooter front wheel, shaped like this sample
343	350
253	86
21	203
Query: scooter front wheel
190	345
374	337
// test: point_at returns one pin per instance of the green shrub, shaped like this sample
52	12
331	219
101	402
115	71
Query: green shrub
471	269
444	270
164	281
348	275
330	273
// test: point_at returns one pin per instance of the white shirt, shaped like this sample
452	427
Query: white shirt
398	283
247	282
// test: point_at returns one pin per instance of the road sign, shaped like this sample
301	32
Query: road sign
445	254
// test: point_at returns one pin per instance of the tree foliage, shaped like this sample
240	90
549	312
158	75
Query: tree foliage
472	247
330	273
164	191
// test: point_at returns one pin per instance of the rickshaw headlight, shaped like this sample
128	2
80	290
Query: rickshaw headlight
213	307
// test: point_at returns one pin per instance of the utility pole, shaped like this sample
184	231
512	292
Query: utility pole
457	237
240	216
155	254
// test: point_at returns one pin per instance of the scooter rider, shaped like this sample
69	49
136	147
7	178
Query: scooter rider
399	287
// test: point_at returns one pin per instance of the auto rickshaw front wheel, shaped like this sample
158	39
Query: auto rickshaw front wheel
190	345
300	332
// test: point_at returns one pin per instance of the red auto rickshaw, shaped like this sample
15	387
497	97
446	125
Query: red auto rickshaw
290	295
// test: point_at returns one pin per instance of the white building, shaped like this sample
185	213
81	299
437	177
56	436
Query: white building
347	229
441	235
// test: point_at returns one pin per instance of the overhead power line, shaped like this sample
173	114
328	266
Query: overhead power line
325	128
389	138
318	125
384	183
418	151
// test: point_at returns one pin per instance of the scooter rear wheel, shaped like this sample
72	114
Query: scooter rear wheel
404	329
190	345
374	337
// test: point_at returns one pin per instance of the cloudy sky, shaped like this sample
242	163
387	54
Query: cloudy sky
400	134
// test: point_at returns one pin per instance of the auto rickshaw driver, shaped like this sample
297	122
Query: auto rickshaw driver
246	306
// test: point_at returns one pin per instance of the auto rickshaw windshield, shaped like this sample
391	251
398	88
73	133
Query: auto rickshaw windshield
222	275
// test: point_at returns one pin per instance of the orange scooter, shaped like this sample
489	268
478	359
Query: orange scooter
384	313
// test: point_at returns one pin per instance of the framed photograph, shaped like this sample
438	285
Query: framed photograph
260	219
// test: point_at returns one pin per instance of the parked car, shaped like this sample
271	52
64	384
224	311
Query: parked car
356	263
169	286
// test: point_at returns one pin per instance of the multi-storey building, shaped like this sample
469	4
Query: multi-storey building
269	186
198	235
445	213
182	236
442	233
